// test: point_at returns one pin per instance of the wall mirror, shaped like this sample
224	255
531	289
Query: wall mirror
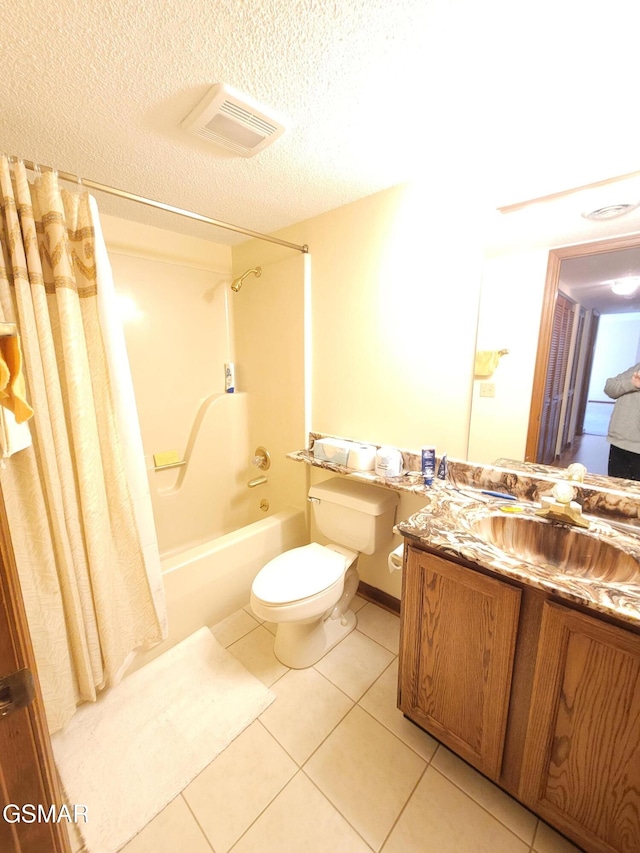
538	256
590	329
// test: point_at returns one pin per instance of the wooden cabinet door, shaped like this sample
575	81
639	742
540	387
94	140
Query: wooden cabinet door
581	768
458	641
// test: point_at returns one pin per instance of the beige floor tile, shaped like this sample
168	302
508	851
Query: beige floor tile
247	607
307	708
234	627
440	818
232	791
354	664
301	819
381	626
367	773
518	819
357	603
255	653
380	701
175	828
547	840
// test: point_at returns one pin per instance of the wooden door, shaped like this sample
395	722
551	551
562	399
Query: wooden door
581	767
586	375
570	389
27	771
555	380
458	642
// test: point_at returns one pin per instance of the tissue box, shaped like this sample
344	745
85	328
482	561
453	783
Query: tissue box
334	450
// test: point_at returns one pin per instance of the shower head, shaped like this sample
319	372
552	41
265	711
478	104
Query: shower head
236	284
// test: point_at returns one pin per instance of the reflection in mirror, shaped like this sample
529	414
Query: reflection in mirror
589	332
528	251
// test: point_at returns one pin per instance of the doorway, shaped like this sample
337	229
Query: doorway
569	410
616	348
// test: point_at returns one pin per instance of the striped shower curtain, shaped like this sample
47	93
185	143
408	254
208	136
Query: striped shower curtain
77	499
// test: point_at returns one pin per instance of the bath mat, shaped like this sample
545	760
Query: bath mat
128	755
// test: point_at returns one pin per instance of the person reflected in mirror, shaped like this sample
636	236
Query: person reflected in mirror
624	426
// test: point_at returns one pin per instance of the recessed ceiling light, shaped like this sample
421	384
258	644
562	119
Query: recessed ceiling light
625	286
611	211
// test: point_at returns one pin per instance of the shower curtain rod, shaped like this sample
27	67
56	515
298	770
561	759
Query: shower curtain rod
94	185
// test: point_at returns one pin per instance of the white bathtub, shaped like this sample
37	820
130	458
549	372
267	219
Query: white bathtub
206	583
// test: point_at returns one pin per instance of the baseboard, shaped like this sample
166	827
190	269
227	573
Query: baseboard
377	596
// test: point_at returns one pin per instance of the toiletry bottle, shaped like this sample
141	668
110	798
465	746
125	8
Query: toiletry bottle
388	462
442	467
230	377
428	464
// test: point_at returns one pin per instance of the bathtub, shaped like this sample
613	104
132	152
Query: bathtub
208	582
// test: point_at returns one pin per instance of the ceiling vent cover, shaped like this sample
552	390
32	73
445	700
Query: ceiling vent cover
225	117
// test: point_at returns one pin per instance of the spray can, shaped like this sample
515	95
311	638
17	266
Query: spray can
428	464
230	377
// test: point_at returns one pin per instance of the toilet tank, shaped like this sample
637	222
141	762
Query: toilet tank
355	515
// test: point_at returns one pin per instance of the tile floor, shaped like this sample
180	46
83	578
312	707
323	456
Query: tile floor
332	765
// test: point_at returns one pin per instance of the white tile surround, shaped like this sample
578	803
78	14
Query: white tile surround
332	765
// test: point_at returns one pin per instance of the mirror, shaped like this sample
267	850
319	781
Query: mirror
527	250
588	332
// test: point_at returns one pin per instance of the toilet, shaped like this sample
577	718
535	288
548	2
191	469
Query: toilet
307	591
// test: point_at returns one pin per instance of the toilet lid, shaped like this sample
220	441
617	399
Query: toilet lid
298	573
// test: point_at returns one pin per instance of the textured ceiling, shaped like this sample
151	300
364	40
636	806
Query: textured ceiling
495	97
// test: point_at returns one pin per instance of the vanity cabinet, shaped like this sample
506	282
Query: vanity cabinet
581	765
459	630
542	698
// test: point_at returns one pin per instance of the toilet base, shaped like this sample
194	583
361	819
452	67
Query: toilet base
299	645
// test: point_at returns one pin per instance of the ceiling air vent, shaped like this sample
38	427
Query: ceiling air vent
225	117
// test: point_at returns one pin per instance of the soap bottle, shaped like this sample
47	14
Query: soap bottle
230	377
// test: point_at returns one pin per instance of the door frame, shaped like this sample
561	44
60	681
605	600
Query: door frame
28	774
556	256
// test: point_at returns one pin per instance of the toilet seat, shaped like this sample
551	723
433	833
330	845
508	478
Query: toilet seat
299	574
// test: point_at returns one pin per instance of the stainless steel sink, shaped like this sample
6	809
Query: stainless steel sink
563	549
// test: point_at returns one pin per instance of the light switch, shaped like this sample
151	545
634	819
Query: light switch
487	389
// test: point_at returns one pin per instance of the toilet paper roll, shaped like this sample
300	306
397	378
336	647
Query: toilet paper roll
395	559
362	457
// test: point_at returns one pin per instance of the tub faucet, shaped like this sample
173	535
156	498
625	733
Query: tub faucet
561	506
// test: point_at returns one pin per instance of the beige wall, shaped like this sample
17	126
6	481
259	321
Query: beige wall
394	298
509	318
271	359
392	324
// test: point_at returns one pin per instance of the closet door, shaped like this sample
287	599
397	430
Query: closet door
555	381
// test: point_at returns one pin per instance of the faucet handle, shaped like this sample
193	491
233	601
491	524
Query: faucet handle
564	493
576	471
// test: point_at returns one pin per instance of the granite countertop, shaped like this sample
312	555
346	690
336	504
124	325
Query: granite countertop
448	524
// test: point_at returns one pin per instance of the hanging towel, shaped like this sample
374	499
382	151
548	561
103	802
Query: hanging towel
13	436
12	386
486	361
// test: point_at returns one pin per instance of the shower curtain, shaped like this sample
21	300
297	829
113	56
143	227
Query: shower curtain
77	499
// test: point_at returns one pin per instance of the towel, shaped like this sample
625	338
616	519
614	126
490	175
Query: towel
13	391
486	361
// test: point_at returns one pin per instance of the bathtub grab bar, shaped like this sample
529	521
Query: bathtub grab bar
170	465
258	481
205	405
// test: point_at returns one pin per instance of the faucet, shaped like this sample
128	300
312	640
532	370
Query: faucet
562	506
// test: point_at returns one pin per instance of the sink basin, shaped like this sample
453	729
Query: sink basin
564	550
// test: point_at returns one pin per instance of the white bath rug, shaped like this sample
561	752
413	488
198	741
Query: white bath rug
125	757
